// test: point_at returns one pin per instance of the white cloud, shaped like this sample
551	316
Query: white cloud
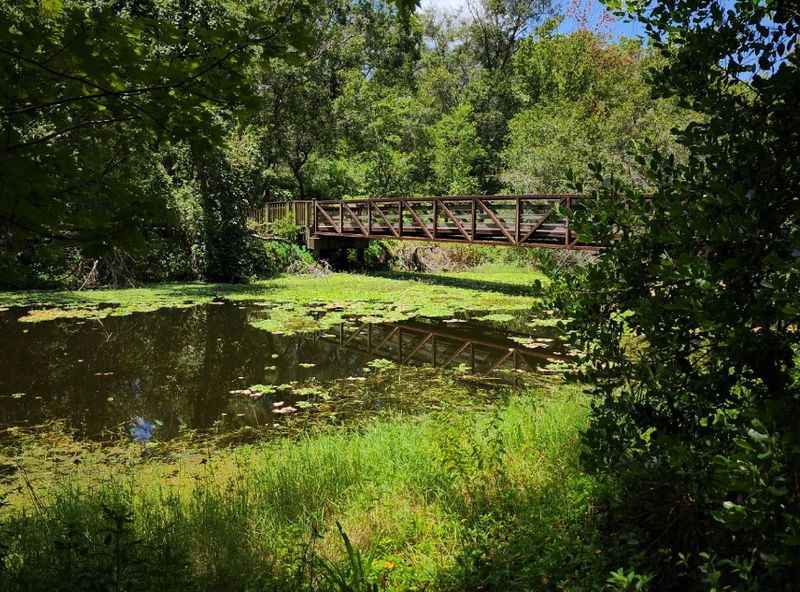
446	6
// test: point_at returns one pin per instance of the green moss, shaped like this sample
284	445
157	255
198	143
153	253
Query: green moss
384	298
498	317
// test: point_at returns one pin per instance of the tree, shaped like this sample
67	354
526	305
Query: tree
689	320
88	87
304	118
584	100
495	32
498	26
455	152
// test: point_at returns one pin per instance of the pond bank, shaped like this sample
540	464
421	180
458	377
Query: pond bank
459	477
479	500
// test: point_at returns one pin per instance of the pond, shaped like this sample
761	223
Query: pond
210	369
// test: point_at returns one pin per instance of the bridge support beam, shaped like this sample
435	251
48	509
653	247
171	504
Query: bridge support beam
319	244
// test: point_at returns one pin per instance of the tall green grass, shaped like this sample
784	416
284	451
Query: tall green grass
490	500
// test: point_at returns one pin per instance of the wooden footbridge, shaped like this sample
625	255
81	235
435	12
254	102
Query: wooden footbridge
504	220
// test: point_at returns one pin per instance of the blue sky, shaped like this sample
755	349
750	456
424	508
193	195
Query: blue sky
616	29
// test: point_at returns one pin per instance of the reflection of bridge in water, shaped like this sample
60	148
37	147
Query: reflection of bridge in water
421	343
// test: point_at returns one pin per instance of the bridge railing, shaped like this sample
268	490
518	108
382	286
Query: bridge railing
416	342
301	212
518	220
535	220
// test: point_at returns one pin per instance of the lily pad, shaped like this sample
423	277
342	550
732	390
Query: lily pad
498	317
309	391
285	410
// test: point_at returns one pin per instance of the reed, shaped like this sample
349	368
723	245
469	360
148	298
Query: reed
475	501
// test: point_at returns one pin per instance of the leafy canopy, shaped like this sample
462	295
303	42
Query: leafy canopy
690	319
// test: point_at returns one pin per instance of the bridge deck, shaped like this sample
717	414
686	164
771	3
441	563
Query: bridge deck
508	220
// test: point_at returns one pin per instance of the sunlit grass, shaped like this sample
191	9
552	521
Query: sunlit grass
490	288
419	496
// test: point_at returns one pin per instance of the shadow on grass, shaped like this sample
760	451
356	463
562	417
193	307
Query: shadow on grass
536	541
459	282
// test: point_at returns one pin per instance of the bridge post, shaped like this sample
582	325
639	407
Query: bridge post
369	218
400	216
518	221
314	217
474	220
568	203
435	216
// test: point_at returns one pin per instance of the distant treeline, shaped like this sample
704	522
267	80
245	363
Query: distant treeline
135	135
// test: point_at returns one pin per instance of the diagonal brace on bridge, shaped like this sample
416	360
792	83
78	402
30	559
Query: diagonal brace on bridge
505	220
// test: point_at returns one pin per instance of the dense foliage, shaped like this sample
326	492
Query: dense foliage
136	135
690	319
98	97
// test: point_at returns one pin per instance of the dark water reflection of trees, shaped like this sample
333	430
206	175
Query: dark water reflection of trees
174	365
174	369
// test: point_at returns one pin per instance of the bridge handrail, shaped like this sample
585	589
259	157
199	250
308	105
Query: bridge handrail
537	220
465	197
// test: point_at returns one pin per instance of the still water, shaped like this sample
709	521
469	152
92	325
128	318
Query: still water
204	368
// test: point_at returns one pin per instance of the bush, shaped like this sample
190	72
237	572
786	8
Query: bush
274	256
285	228
698	436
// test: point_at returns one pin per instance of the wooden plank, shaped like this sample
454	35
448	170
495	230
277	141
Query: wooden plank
540	222
455	220
387	338
499	362
355	334
424	340
330	220
461	241
459	351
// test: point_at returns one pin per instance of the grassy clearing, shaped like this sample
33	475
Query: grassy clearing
482	500
491	288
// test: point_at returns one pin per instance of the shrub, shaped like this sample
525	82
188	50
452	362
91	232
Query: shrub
699	437
274	256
